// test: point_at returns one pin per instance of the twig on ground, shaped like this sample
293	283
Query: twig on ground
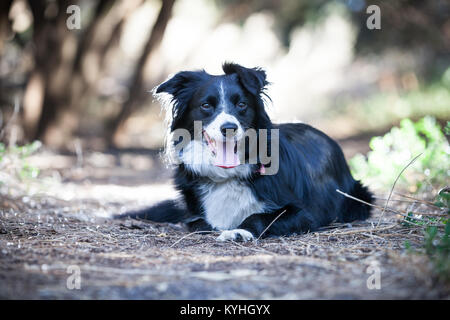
431	204
257	249
354	198
393	186
359	230
390	209
188	235
270	225
396	200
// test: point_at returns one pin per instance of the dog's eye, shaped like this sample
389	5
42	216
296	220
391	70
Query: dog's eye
206	106
242	105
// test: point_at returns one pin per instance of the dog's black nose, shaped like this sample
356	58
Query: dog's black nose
232	127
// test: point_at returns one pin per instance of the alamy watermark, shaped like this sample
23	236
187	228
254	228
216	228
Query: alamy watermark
74	280
74	20
374	20
374	280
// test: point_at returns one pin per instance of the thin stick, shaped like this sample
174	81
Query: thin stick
362	201
270	225
257	249
189	234
360	230
397	200
419	200
393	186
380	207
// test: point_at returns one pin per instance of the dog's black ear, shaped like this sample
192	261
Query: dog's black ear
180	82
181	87
253	79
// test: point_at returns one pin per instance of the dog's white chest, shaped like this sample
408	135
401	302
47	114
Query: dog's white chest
228	203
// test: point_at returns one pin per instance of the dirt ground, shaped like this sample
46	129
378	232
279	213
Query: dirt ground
63	234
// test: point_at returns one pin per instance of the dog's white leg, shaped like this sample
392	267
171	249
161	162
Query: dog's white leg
235	234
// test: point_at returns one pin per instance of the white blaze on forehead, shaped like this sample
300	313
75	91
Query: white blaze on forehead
213	129
221	96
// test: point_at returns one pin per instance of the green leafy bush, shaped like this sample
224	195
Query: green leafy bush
437	247
13	161
390	154
393	151
2	151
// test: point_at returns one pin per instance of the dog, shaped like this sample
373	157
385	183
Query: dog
224	188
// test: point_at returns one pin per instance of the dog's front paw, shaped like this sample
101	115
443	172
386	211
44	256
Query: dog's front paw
236	235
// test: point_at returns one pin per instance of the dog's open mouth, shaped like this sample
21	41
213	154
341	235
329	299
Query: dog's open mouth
224	152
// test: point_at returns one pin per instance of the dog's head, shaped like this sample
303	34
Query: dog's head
226	105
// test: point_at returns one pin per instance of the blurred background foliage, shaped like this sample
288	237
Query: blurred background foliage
91	86
391	153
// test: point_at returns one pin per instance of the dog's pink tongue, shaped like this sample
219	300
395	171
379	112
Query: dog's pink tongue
225	157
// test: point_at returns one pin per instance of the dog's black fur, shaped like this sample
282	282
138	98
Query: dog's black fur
311	165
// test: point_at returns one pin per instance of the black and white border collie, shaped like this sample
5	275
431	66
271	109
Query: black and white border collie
226	189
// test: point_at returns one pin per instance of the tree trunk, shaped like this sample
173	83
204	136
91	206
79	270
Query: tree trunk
5	5
56	80
136	91
41	98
